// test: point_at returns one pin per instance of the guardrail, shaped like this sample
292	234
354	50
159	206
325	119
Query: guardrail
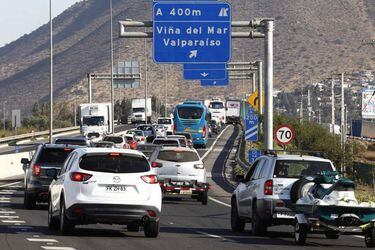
245	166
30	135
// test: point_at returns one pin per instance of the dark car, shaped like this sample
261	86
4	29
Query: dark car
80	141
188	136
215	129
47	156
149	132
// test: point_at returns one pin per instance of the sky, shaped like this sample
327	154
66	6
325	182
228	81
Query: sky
19	17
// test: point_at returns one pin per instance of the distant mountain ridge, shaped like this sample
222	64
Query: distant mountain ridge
312	39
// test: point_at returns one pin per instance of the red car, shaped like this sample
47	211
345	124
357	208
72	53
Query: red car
132	141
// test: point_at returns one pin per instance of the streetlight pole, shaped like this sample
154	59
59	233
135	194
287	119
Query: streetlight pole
4	102
146	80
166	90
112	87
260	87
51	74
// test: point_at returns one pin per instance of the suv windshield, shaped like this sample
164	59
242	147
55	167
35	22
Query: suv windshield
114	139
93	121
114	164
53	155
190	112
178	156
216	105
164	121
138	110
296	169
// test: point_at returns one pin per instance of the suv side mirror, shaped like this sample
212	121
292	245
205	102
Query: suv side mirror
25	161
52	172
240	178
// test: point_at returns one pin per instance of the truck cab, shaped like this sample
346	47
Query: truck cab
95	119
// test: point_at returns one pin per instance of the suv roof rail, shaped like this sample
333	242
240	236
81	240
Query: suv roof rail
273	152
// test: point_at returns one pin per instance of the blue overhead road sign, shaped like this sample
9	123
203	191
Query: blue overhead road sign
251	132
204	74
217	83
192	32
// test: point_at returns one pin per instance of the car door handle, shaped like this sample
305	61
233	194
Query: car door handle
178	166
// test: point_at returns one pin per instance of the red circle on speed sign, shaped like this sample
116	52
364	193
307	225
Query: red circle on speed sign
284	134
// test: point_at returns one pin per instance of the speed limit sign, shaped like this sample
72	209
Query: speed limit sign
284	134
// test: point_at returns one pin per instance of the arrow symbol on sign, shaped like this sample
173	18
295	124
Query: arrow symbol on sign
204	74
193	53
214	82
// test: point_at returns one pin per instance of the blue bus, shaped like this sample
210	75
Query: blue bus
193	117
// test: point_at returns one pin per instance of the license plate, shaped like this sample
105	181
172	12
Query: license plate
115	188
186	192
178	183
285	215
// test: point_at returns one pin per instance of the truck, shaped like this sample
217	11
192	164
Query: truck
95	119
138	111
218	111
363	128
233	111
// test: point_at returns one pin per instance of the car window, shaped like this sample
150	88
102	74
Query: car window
53	155
263	171
178	156
114	163
251	171
166	142
182	142
114	139
165	121
299	168
66	163
73	159
256	174
71	142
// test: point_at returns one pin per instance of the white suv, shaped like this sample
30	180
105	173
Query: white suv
263	196
168	123
102	185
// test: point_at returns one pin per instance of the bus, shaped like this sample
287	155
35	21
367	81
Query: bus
193	117
217	109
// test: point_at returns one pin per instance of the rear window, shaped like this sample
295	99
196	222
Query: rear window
113	139
129	138
71	142
190	112
164	121
216	105
182	142
297	169
145	128
138	133
166	142
53	155
114	164
187	136
178	156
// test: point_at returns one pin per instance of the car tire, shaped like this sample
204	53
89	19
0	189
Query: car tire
237	224
258	226
204	198
300	233
29	201
53	223
331	235
299	188
133	227
370	237
66	226
151	229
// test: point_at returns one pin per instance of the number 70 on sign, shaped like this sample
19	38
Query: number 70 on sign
284	134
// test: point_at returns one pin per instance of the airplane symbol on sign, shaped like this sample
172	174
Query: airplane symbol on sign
204	74
193	53
224	12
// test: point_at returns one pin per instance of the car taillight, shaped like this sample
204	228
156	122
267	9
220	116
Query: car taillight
174	129
204	131
150	179
77	176
268	187
37	170
142	139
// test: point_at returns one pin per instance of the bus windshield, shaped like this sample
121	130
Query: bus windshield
190	112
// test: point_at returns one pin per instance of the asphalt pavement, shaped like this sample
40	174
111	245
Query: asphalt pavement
185	223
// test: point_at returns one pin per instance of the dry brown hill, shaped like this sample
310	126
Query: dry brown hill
312	39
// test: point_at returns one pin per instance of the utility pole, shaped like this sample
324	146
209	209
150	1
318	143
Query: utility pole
254	83
51	74
343	135
301	108
112	87
146	79
4	102
268	128
309	105
89	94
333	106
166	90
260	86
75	112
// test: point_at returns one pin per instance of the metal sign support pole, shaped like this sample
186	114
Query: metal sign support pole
268	128
253	82
112	87
260	86
89	88
51	74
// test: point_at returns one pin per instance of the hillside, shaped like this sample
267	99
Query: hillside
312	39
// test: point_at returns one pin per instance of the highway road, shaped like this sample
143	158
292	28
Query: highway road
185	224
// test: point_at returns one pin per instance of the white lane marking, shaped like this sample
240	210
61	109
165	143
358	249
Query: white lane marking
11	184
215	236
4	201
9	216
6	193
36	236
219	202
359	236
4	198
7	212
13	221
214	143
41	240
57	248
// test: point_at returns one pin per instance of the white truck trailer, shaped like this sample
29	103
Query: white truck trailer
138	111
95	119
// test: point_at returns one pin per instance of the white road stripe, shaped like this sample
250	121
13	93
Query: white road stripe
7	212
4	198
214	143
215	236
9	216
41	240
57	248
359	236
4	201
13	221
11	184
219	202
